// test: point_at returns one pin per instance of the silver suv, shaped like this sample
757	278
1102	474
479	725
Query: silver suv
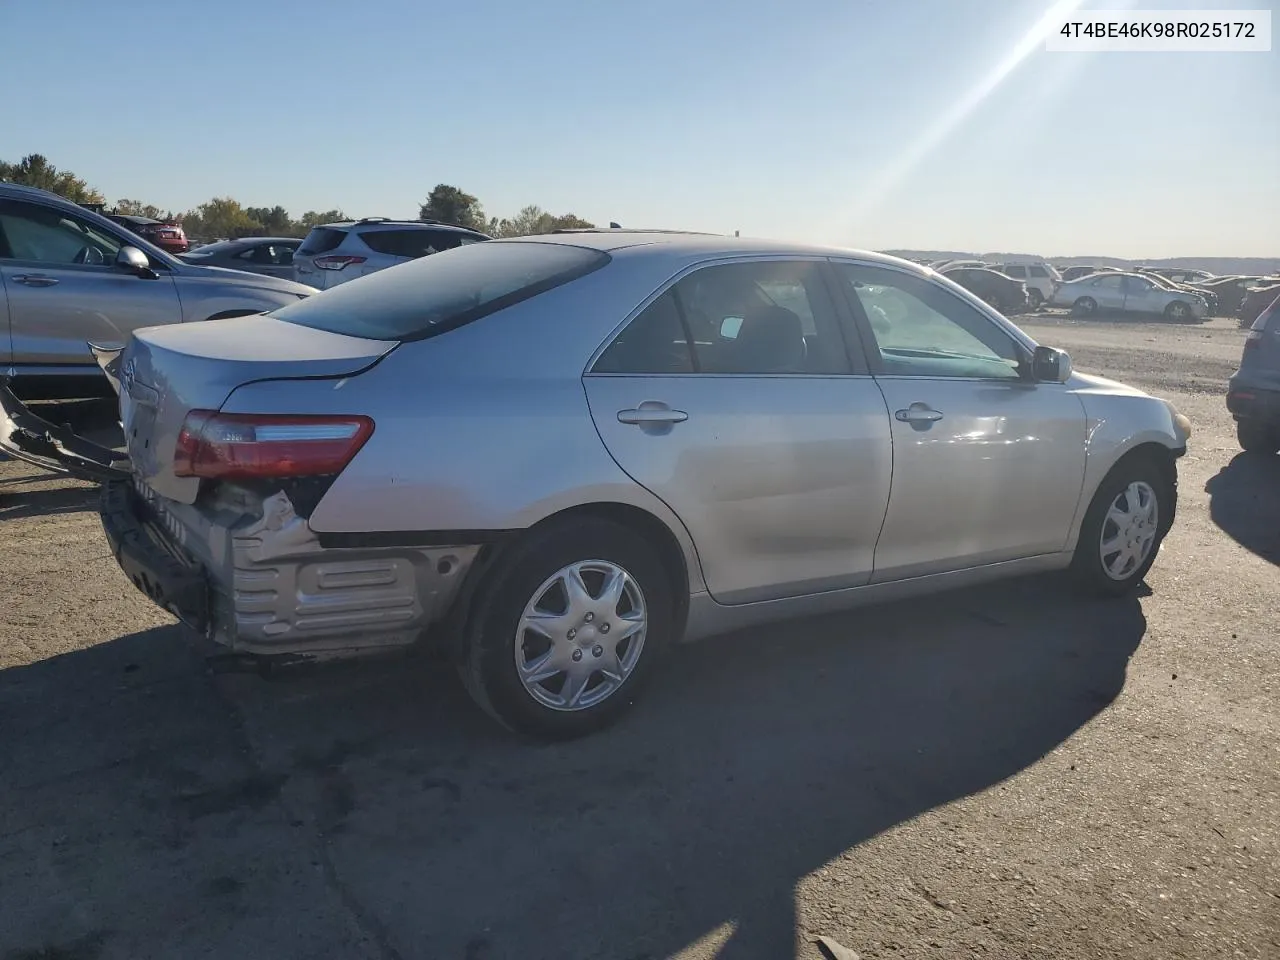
69	276
337	252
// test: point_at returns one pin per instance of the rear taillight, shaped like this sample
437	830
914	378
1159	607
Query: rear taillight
335	262
231	446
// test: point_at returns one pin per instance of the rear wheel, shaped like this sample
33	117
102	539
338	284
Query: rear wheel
1124	526
1085	306
567	629
1258	436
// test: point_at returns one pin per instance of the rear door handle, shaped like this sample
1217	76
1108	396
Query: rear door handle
918	413
35	280
655	414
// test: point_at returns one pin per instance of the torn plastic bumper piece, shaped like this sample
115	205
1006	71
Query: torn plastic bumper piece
29	437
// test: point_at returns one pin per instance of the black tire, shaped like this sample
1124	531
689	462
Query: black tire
488	664
1035	298
1178	312
1087	564
1258	436
1085	306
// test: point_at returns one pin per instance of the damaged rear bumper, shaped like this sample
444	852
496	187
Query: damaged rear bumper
265	585
29	437
170	579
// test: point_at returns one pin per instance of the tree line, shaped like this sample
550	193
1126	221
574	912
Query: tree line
226	217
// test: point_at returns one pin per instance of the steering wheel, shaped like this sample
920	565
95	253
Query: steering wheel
91	256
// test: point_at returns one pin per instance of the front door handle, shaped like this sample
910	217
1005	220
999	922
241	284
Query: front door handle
35	280
918	413
646	414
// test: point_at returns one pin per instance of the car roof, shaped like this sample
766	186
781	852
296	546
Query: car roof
373	223
700	245
22	188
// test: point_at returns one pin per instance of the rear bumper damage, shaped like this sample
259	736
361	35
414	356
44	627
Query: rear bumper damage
29	437
265	586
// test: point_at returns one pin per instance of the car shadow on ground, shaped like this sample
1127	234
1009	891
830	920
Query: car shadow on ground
253	812
1244	501
44	500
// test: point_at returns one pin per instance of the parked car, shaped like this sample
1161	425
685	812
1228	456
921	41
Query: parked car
169	237
558	455
1205	293
1129	293
1078	271
1256	299
269	256
1179	274
69	276
1253	392
1041	278
1001	292
338	252
1230	292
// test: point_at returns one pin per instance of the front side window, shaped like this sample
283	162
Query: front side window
30	231
1137	285
923	330
1039	272
756	318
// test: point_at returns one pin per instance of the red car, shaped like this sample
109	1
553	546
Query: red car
167	236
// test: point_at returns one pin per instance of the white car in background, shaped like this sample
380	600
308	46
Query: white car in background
1129	293
334	253
1041	278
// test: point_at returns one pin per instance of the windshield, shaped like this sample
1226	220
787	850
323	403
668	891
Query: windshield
444	290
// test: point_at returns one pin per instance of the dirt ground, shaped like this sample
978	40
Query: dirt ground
1003	773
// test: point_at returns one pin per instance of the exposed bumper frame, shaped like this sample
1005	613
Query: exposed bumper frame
31	438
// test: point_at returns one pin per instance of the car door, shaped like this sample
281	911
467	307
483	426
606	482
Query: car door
65	290
1143	296
1108	291
733	396
987	464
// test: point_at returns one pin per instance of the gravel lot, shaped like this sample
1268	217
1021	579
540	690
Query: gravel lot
1005	773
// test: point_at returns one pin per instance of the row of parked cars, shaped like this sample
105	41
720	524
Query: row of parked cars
1179	294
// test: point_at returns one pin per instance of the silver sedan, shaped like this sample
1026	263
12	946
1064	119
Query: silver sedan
556	456
1129	293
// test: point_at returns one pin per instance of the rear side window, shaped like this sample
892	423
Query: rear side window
322	240
445	291
410	243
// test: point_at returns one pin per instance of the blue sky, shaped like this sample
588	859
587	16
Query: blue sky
831	120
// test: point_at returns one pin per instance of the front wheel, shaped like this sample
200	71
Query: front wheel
1257	436
567	629
1035	298
1085	306
1178	311
1124	527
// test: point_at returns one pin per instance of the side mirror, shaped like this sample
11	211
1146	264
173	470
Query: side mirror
1050	365
132	260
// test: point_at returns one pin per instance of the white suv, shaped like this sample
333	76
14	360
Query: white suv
1041	278
336	252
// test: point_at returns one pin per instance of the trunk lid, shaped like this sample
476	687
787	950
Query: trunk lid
166	372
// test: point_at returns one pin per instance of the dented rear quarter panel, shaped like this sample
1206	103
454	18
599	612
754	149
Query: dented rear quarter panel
484	428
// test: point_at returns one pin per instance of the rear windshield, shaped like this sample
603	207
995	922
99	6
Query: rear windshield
322	240
411	243
427	296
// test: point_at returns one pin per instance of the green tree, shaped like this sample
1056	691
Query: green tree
275	220
35	170
220	217
451	205
534	220
313	218
136	208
